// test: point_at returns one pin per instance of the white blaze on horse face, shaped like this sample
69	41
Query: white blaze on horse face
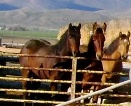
125	40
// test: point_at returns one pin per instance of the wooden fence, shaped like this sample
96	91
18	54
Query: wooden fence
11	88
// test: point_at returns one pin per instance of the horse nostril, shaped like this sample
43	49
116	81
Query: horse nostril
74	53
124	57
99	56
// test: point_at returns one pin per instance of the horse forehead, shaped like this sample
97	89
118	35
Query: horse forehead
124	43
126	40
99	30
75	31
99	36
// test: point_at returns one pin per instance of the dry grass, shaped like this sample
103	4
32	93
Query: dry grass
113	29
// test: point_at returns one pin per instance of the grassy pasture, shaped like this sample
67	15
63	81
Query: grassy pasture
30	33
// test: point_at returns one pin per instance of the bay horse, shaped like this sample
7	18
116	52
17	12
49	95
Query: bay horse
118	49
66	46
93	55
94	50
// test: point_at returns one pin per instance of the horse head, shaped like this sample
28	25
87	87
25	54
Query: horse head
124	44
99	39
74	38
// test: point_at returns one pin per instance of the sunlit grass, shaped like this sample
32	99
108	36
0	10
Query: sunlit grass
31	33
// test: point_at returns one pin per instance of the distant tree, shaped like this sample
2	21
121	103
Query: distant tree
3	27
18	28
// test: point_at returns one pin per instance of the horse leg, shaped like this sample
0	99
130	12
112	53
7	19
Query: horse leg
87	77
53	85
116	79
34	86
25	74
103	80
97	78
65	88
86	88
87	100
95	98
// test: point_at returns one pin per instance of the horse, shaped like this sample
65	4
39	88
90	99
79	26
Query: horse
93	56
117	50
94	50
66	46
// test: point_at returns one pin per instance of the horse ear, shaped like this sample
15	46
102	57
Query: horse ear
104	26
79	25
70	25
94	25
120	34
128	34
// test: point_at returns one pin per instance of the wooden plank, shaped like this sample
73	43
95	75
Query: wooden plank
9	50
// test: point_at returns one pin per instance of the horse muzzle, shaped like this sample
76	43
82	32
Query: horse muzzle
99	56
124	57
76	53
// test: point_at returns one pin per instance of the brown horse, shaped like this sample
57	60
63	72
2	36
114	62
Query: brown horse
118	49
68	45
95	51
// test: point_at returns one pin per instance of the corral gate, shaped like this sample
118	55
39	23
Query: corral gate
5	57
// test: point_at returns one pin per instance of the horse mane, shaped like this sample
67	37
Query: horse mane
99	30
91	50
90	53
63	38
113	46
62	41
59	45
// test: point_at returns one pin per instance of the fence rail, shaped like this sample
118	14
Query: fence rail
72	81
94	93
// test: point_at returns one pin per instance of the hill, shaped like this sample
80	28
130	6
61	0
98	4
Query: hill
53	14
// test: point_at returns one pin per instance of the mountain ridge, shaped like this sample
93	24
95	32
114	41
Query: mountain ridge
53	15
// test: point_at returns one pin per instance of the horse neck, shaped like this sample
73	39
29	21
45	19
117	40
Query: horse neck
63	47
91	49
112	51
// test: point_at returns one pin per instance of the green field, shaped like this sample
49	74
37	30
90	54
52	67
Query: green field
30	33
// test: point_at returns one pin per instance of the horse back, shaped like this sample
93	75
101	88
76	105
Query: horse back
34	45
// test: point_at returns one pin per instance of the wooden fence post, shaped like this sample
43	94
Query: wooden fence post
73	78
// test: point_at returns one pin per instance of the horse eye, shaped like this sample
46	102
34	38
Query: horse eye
70	37
94	38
